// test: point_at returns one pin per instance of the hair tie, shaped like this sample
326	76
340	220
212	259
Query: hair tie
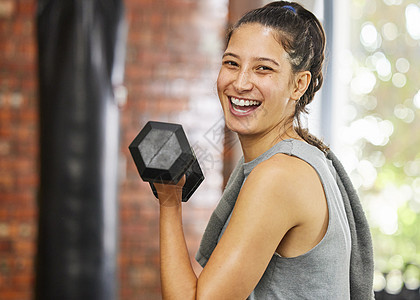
289	7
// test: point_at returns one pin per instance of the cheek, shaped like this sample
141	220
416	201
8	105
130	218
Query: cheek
222	82
268	88
274	89
221	79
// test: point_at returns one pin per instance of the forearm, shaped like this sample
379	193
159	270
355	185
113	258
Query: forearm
177	276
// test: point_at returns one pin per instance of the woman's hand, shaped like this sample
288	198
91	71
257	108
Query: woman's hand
170	194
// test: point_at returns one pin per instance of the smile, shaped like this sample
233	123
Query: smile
242	102
243	106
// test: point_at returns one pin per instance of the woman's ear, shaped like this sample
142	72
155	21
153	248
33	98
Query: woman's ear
301	84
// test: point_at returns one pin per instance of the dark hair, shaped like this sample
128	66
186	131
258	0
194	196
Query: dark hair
303	38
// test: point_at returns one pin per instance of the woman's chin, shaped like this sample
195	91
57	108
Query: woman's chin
241	128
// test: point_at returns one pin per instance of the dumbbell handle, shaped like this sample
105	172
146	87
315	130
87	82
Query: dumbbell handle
194	177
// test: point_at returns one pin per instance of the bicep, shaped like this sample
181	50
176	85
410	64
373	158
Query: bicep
260	219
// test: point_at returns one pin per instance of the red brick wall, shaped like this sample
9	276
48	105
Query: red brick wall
18	148
173	55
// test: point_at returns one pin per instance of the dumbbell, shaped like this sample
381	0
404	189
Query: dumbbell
162	154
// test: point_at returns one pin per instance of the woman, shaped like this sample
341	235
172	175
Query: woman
281	229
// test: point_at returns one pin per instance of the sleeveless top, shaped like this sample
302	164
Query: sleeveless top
323	271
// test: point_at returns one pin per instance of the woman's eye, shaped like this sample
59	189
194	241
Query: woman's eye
264	68
230	63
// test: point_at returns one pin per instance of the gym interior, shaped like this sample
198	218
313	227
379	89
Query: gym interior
78	81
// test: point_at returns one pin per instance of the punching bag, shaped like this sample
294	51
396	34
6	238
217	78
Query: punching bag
81	47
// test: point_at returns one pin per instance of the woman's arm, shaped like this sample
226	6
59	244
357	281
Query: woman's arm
270	203
177	276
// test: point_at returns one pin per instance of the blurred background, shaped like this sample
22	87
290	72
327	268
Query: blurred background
368	111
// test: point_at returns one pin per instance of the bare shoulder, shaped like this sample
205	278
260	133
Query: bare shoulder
286	178
289	170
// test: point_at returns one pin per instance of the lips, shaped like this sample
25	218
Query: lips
242	107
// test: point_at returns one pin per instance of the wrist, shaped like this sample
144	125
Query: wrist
171	208
170	201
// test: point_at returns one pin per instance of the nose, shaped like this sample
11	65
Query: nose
243	82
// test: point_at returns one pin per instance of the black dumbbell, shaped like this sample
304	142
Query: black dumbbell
162	154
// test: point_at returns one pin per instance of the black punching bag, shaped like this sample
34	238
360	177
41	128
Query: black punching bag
81	46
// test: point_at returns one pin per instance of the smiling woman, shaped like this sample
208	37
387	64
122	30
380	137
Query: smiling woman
261	74
289	224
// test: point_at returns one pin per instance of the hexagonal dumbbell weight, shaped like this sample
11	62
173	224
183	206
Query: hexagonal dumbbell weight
162	154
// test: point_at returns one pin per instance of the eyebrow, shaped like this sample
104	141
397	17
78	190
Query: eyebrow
257	58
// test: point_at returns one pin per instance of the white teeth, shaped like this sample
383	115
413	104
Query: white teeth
242	102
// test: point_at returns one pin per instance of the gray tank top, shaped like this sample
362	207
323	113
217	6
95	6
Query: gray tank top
322	272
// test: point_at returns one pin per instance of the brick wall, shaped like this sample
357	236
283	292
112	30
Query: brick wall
173	55
18	148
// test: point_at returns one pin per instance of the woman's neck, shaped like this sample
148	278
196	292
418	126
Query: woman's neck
255	145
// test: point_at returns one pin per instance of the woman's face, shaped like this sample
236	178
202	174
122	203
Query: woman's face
255	82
